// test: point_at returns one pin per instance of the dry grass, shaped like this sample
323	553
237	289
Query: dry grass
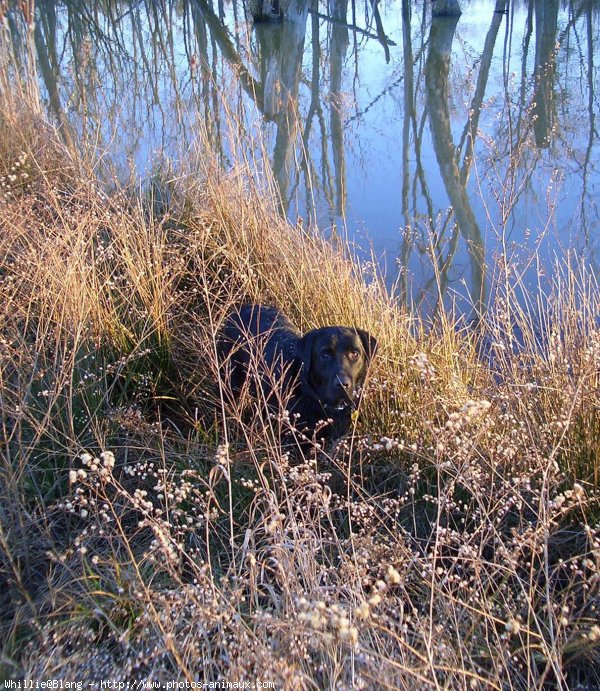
153	529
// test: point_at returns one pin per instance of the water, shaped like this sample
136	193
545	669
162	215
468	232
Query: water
453	150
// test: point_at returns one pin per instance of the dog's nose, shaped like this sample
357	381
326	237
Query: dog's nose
343	383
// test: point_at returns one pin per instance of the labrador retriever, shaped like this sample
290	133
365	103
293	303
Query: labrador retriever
320	374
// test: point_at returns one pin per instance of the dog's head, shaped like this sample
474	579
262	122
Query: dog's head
334	364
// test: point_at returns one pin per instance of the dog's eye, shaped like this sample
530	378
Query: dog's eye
353	354
326	354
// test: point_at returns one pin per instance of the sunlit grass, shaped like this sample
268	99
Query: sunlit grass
151	527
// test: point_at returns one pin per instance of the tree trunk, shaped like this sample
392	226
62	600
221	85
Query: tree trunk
446	8
437	72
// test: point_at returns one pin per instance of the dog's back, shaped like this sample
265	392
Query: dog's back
259	338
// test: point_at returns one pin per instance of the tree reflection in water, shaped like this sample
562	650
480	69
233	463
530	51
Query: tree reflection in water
439	136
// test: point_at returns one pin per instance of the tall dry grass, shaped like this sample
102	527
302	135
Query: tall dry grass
152	528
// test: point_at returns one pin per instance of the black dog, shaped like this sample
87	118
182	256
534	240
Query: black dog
321	372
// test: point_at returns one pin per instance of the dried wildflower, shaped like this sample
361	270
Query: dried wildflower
421	363
362	611
108	459
349	634
316	620
392	576
375	600
594	633
513	626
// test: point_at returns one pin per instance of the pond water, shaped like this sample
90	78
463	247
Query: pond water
455	150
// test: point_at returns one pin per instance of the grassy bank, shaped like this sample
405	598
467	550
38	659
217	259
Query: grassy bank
151	528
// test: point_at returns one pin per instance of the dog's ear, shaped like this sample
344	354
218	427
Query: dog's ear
369	343
304	349
304	352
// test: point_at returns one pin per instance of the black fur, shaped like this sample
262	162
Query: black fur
322	371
